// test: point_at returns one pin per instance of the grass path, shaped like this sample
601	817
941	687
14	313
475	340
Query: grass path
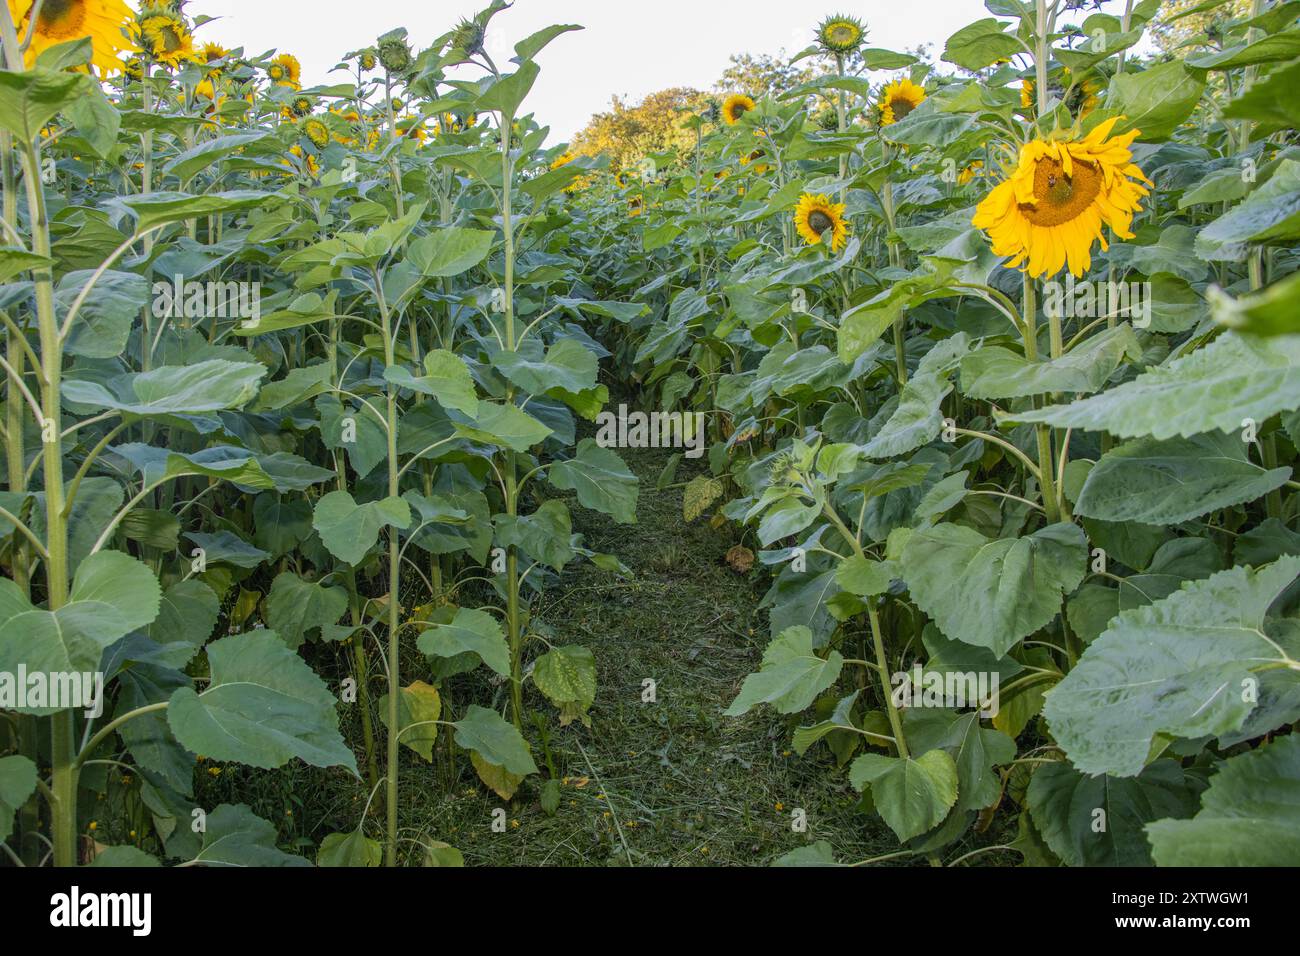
672	781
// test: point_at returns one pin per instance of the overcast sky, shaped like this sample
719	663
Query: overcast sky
629	47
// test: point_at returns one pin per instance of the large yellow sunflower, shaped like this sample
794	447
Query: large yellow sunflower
898	99
815	215
62	20
285	70
1052	206
165	36
736	106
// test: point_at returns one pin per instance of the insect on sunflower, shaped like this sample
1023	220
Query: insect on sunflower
60	21
815	216
736	106
285	70
898	99
840	35
1051	208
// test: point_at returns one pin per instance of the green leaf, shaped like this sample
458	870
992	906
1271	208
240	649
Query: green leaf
1269	214
194	160
790	677
226	547
214	385
1212	389
528	48
104	320
112	595
981	44
1156	101
865	577
17	783
353	849
449	251
600	478
15	261
117	857
992	592
418	708
349	530
1271	311
1167	482
975	750
506	426
187	616
567	676
294	607
235	836
495	740
568	366
470	631
911	795
31	99
1249	816
1269	101
1180	667
1271	49
994	372
1099	821
447	379
544	535
262	707
160	208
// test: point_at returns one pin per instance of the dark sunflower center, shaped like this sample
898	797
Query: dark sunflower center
819	222
900	107
1062	198
61	18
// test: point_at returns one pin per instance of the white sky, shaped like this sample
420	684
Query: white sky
629	47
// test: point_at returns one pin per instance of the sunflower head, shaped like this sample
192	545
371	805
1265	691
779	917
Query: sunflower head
467	39
305	159
285	70
395	54
840	35
134	69
59	21
164	35
1083	98
968	174
816	216
634	207
735	106
301	105
1026	94
1052	206
898	99
316	131
368	60
212	54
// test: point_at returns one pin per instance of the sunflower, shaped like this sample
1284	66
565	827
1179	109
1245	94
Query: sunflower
898	99
165	36
210	53
1027	94
840	35
62	20
206	90
316	131
368	61
970	172
1051	208
634	207
307	159
815	215
736	106
285	70
1083	98
563	160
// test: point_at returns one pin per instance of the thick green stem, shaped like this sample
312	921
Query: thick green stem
882	665
1046	475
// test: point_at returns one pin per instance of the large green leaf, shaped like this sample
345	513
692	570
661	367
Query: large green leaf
1156	100
506	426
567	366
976	750
994	372
210	386
567	676
1098	821
17	783
1270	213
30	100
262	706
349	530
495	740
449	251
600	478
992	592
543	535
1166	482
112	595
353	849
295	607
912	795
419	706
446	378
470	631
235	836
1212	389
1181	667
790	677
1249	816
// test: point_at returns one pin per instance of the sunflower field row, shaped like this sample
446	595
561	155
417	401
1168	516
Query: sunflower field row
996	360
